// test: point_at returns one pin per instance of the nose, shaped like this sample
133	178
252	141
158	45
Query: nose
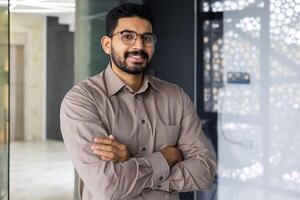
139	44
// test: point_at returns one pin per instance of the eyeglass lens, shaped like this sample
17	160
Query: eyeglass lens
130	37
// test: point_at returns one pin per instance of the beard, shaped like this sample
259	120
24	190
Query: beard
137	68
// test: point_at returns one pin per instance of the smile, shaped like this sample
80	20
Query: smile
136	58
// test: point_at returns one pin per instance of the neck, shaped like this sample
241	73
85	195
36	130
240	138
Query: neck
134	81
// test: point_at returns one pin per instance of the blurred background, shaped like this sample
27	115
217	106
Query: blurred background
239	61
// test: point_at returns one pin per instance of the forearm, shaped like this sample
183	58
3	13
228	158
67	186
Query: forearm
106	179
196	173
139	174
109	180
197	170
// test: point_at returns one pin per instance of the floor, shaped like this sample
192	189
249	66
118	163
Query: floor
40	171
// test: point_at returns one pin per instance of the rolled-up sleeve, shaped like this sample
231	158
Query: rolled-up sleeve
197	170
80	123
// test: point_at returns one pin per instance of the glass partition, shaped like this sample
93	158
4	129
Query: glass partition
90	59
4	69
258	110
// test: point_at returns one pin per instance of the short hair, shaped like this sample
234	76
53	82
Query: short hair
126	10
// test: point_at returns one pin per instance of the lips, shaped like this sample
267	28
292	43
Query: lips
136	56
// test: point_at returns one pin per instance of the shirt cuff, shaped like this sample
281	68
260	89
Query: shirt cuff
160	167
164	186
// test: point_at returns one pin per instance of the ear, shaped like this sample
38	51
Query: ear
106	44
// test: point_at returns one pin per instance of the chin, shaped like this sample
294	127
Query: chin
137	66
136	69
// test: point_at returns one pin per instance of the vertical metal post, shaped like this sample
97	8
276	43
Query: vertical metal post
195	60
265	90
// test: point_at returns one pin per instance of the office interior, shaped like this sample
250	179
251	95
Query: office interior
238	60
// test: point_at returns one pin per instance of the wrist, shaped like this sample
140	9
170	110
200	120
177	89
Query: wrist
171	154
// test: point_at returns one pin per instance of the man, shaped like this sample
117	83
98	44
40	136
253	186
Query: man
131	135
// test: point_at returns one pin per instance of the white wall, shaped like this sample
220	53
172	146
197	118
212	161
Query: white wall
29	30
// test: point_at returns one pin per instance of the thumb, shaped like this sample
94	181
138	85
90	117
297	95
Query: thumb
111	137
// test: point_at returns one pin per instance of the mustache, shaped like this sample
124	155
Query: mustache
136	53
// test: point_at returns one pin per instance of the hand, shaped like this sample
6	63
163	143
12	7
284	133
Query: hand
172	154
110	149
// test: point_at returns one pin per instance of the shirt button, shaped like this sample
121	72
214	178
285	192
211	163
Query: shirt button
161	178
159	186
143	121
144	149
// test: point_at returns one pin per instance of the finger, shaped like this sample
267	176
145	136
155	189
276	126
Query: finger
105	147
104	140
106	159
108	155
109	148
109	141
111	137
119	155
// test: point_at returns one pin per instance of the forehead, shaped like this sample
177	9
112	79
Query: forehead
136	24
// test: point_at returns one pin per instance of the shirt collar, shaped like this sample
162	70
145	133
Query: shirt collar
115	84
148	80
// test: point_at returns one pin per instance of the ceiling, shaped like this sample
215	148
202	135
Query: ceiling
42	7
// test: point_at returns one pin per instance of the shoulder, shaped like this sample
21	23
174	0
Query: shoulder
85	91
80	102
164	86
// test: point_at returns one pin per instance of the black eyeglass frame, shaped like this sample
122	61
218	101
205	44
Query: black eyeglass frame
155	37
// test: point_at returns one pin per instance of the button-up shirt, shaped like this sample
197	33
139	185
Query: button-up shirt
159	114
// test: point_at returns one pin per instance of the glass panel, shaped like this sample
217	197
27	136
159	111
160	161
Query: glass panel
41	72
284	99
258	118
4	68
229	5
213	63
90	59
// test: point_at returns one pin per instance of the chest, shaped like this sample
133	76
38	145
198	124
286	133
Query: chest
144	123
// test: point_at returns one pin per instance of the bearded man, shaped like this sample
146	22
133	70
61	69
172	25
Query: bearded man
131	135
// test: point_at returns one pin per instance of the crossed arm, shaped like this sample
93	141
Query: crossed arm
110	149
188	166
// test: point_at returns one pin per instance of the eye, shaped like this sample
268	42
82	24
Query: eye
128	36
148	38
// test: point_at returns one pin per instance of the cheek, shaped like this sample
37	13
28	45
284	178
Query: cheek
119	50
150	52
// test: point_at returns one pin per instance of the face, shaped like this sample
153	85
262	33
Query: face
132	59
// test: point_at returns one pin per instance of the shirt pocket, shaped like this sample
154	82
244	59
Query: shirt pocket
166	135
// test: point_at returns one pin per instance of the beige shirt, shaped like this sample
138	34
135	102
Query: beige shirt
157	115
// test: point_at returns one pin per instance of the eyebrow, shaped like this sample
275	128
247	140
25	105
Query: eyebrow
135	32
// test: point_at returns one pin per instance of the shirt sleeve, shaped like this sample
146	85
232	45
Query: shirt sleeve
80	123
197	170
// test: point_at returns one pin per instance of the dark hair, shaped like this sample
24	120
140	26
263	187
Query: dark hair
126	10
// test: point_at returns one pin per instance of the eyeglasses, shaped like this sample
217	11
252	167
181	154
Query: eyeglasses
130	37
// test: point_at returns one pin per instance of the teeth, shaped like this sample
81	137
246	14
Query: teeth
137	56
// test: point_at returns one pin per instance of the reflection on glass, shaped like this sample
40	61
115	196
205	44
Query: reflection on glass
259	103
229	5
213	63
90	59
3	100
249	25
